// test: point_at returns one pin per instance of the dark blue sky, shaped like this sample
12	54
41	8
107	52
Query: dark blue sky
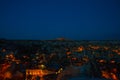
50	19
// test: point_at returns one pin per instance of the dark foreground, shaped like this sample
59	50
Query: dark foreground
59	60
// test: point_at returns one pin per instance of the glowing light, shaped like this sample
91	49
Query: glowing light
114	77
5	67
114	70
39	72
42	66
59	71
105	75
68	53
7	75
101	61
112	61
74	58
80	49
4	50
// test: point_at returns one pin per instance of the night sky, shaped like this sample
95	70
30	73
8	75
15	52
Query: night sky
51	19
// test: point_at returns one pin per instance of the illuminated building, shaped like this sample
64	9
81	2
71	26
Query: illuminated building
37	73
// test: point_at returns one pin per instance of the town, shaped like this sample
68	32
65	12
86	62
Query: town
59	60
